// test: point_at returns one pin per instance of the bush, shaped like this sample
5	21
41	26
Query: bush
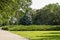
26	20
30	27
5	27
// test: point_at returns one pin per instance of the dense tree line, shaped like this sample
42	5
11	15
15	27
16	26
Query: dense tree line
50	15
16	12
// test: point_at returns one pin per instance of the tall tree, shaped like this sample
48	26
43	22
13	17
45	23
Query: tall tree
48	15
9	9
25	7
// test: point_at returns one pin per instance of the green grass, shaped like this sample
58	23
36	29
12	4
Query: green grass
39	35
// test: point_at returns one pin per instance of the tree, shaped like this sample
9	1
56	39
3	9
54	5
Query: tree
26	19
10	9
48	15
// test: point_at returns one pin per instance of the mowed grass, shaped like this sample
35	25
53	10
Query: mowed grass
39	35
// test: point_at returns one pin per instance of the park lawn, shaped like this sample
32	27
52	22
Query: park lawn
39	35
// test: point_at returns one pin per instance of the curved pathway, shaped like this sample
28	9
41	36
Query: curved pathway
5	35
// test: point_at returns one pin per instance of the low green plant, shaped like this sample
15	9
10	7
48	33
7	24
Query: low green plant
31	27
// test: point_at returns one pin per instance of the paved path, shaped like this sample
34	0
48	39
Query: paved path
5	35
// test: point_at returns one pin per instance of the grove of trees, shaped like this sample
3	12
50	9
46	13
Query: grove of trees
16	12
50	15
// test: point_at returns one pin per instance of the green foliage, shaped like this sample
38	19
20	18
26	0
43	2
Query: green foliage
26	20
31	27
50	14
10	9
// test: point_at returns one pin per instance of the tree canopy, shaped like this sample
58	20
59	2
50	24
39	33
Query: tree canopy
50	14
12	8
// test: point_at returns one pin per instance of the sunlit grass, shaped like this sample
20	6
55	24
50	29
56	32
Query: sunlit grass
39	35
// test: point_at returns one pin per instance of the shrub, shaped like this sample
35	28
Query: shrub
31	27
